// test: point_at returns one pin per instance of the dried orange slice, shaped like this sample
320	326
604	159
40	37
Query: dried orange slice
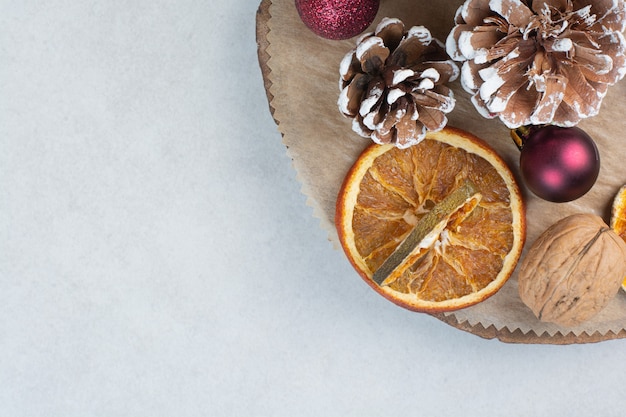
388	191
618	217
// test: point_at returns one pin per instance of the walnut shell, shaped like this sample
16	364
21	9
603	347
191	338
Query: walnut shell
573	270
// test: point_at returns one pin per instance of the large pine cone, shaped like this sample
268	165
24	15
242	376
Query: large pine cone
393	84
539	61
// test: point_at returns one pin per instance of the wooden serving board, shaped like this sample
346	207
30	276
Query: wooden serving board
300	74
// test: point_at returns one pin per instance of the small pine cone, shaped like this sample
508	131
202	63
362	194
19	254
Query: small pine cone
534	62
393	84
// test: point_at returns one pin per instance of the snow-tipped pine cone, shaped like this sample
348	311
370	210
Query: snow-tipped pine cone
533	62
393	84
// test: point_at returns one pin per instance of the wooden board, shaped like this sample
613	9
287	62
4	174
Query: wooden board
538	211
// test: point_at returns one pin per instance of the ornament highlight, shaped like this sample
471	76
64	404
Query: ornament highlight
337	19
558	164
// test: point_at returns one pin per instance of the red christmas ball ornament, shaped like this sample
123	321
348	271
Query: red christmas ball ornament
337	19
558	164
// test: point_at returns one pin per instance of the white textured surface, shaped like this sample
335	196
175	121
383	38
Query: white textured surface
158	259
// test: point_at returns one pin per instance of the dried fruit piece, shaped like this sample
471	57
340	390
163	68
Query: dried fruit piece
539	62
618	213
388	191
573	270
618	218
393	84
455	207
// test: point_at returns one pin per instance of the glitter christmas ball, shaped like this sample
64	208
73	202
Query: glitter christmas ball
559	164
337	19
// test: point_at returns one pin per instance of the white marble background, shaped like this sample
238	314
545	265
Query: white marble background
158	259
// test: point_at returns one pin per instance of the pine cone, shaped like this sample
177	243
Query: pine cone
539	62
393	84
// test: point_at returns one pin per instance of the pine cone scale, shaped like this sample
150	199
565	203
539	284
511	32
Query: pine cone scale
553	94
433	100
513	11
371	99
500	101
515	110
473	12
580	95
372	54
432	119
352	95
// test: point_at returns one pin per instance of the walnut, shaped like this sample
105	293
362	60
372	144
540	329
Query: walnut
539	62
573	270
393	84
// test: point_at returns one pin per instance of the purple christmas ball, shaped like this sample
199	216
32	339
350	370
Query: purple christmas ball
559	164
